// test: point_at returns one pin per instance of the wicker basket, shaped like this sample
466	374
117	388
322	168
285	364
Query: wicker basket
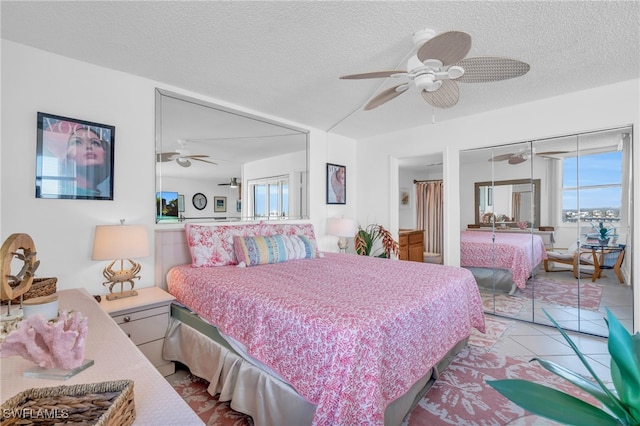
39	287
101	404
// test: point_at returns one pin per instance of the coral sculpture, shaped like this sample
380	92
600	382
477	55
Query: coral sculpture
50	344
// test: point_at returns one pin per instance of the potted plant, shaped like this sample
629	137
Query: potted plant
365	242
620	406
603	233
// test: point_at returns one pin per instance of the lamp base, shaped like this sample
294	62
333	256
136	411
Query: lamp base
343	244
121	295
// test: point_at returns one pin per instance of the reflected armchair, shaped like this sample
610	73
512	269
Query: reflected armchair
568	257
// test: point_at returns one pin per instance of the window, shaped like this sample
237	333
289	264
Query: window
592	187
270	197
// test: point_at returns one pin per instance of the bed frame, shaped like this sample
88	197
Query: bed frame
251	390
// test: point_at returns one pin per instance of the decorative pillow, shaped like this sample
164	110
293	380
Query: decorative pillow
306	229
213	245
261	250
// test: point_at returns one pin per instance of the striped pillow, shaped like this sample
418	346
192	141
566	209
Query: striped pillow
261	250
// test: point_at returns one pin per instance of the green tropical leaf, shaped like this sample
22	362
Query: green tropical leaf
552	404
580	355
625	364
606	398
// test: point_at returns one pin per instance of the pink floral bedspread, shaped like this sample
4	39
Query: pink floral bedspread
349	333
517	252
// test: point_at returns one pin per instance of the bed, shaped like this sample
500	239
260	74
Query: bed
508	261
327	340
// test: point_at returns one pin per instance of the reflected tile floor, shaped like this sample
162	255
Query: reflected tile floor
615	296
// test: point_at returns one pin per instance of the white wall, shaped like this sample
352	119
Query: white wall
34	80
600	108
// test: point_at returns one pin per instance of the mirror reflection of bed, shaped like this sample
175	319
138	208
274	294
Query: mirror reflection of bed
296	334
568	193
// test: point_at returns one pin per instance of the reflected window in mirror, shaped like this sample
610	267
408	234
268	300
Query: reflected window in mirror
597	184
269	198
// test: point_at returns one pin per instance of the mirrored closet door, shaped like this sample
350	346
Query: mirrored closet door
563	198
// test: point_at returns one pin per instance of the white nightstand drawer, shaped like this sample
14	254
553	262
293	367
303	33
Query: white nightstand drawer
146	329
141	314
153	352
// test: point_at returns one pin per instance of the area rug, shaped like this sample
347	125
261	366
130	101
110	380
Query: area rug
210	410
564	293
495	328
502	303
461	396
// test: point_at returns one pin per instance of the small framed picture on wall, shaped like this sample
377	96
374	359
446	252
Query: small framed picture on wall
336	184
74	158
219	204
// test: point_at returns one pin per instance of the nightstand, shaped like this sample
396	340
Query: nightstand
144	318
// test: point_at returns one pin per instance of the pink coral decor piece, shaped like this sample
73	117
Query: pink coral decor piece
50	344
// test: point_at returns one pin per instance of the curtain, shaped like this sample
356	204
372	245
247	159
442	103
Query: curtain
516	197
430	214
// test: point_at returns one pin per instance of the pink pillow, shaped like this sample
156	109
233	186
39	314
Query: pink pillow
213	245
268	229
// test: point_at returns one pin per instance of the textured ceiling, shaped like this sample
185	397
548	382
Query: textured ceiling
284	58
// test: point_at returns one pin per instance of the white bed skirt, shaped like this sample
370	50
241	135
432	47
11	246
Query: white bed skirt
268	400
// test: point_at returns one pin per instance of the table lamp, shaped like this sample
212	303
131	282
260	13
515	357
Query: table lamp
342	227
120	242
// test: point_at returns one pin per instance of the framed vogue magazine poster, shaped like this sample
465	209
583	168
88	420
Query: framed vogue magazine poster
336	184
74	158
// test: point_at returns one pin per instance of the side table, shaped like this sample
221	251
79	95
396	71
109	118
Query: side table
610	257
144	318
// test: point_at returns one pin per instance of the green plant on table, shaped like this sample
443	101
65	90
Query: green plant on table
620	406
603	232
366	238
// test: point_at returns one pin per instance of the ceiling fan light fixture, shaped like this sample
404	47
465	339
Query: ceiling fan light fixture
183	162
234	183
427	82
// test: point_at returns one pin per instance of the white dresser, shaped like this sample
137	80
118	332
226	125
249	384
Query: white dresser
115	357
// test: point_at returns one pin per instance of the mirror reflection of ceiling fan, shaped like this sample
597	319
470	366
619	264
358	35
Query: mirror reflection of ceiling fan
233	183
524	155
182	156
436	67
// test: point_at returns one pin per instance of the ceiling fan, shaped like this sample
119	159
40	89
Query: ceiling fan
437	66
524	155
182	156
233	183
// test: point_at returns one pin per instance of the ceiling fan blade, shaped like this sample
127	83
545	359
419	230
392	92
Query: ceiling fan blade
166	156
502	157
385	96
374	74
196	156
445	97
517	159
448	48
542	154
193	157
483	69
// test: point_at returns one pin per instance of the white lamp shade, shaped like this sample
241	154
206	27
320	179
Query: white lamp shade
112	242
342	227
